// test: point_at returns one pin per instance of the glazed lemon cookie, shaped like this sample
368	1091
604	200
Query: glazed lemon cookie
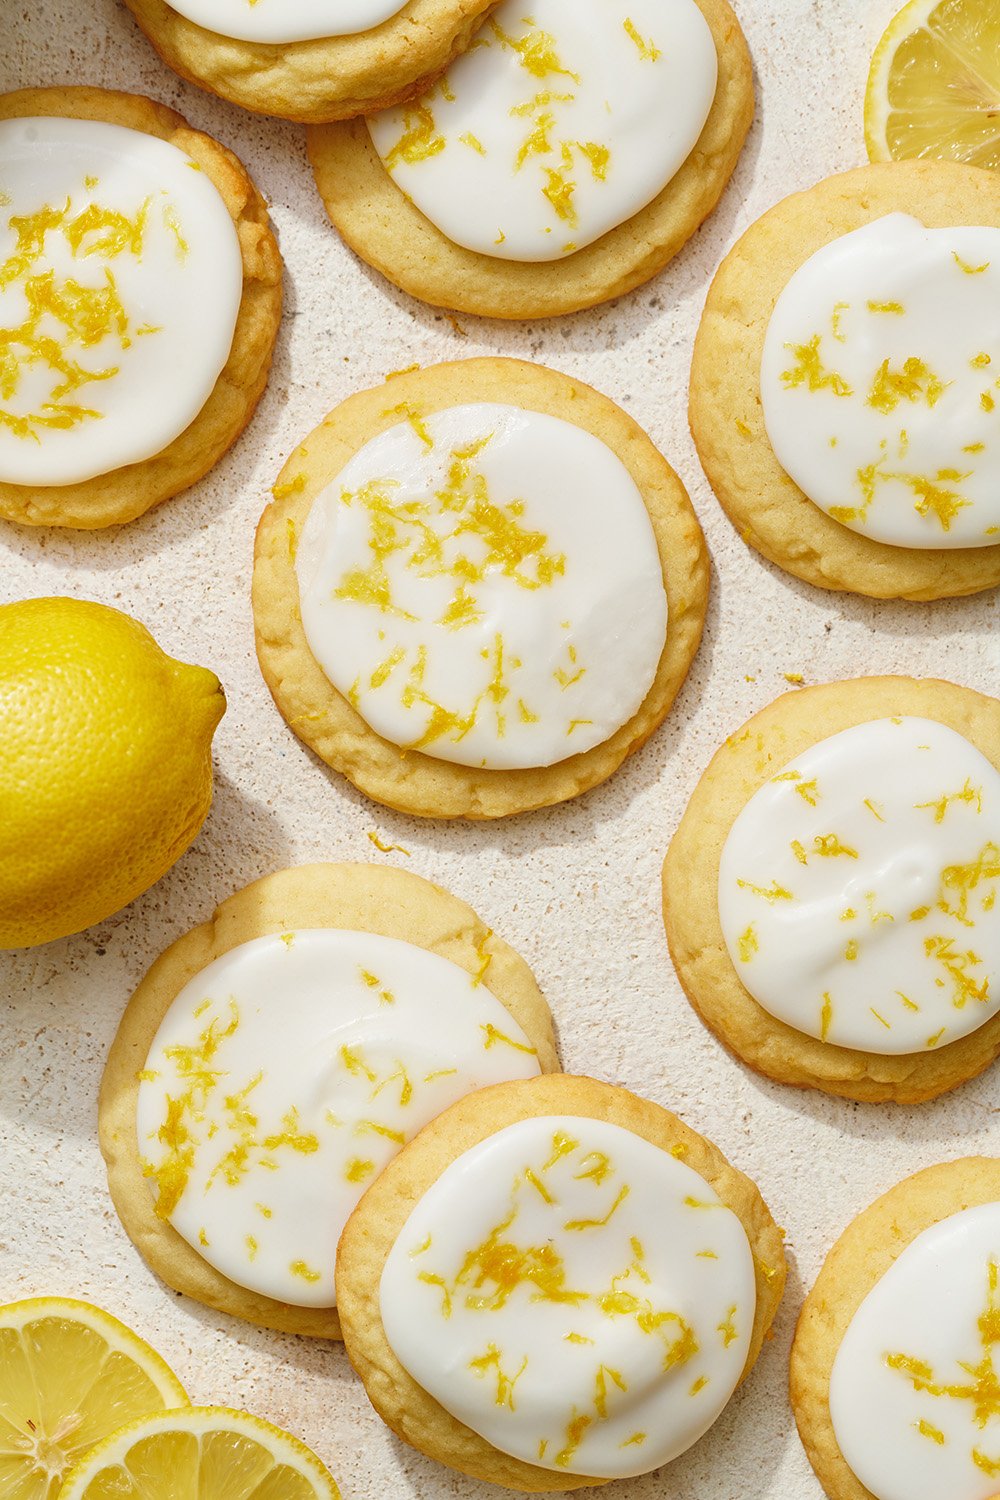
140	296
273	1060
830	896
557	1284
561	162
478	589
310	60
845	391
893	1377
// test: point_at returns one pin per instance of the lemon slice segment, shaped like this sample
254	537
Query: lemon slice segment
200	1453
70	1375
934	85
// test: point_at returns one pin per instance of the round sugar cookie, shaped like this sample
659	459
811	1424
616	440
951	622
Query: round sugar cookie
850	832
276	60
544	540
146	298
856	390
537	1371
898	1336
563	161
273	1059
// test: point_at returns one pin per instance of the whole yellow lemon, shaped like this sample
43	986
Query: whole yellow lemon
105	764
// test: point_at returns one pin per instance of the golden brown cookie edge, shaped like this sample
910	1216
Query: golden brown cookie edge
324	79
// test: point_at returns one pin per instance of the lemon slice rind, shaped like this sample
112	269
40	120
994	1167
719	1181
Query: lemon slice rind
119	1337
70	1374
953	81
94	1474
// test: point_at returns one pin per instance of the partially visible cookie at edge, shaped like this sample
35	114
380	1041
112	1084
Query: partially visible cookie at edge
712	970
864	1261
765	504
317	79
125	492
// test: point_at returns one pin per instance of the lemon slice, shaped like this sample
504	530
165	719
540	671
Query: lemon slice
934	85
200	1453
70	1374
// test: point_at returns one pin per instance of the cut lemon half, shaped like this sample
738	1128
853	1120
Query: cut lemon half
70	1374
934	85
200	1453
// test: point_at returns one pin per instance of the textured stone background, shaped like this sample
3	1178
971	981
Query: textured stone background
576	890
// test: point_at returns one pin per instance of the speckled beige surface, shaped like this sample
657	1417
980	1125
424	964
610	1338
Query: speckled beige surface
575	890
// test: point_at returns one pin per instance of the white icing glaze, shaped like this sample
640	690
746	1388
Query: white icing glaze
858	889
119	292
483	584
915	1389
575	1295
287	20
880	382
556	126
286	1075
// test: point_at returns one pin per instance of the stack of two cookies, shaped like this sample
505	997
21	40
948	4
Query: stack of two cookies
483	159
512	166
543	1280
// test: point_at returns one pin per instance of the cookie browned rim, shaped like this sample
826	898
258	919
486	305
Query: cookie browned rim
324	78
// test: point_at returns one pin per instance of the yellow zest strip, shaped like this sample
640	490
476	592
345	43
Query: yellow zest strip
748	944
647	51
970	270
578	1224
304	1272
294	486
385	848
495	1038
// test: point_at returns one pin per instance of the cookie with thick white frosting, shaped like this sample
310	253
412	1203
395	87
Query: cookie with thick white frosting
478	589
140	295
562	161
311	60
893	1370
275	1059
831	894
845	389
557	1284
